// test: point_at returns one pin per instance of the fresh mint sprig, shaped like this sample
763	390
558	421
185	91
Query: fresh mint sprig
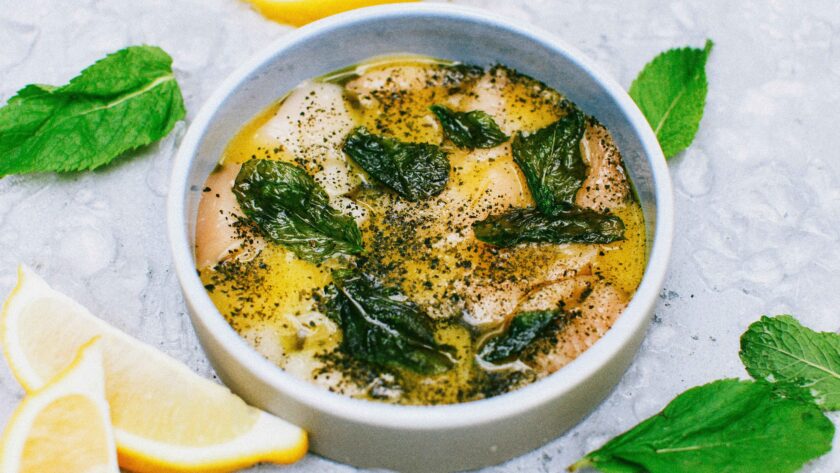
726	425
780	350
125	101
771	425
671	93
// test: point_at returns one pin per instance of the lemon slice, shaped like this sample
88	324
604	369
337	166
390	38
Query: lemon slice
301	12
166	418
65	425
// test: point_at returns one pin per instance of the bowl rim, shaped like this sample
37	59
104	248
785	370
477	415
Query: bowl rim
634	318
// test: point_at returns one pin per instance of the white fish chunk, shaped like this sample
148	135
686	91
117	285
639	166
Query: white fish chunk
216	236
596	305
493	302
310	127
606	185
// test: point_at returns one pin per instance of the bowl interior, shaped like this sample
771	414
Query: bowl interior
448	33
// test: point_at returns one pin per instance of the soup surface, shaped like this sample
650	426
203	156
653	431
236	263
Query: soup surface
422	232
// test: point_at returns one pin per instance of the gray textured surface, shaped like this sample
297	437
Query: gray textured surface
758	200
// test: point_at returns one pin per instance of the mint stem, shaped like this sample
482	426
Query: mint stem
584	462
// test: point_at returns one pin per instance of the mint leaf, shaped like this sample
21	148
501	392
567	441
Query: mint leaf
522	331
791	391
469	130
414	170
577	225
380	325
291	209
551	161
780	350
124	101
726	425
671	93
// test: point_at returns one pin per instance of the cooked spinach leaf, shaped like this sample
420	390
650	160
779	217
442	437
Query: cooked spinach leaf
469	130
577	225
291	209
414	170
381	326
726	425
552	163
523	329
780	350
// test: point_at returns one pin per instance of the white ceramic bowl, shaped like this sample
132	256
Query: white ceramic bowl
421	438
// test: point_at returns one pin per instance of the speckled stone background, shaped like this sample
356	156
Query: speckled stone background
758	195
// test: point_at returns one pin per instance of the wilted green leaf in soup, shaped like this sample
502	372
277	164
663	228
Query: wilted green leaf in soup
524	328
380	325
469	130
291	209
578	225
551	160
415	171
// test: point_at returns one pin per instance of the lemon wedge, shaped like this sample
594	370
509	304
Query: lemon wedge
166	418
65	425
301	12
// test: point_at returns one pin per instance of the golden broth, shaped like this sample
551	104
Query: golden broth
426	248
